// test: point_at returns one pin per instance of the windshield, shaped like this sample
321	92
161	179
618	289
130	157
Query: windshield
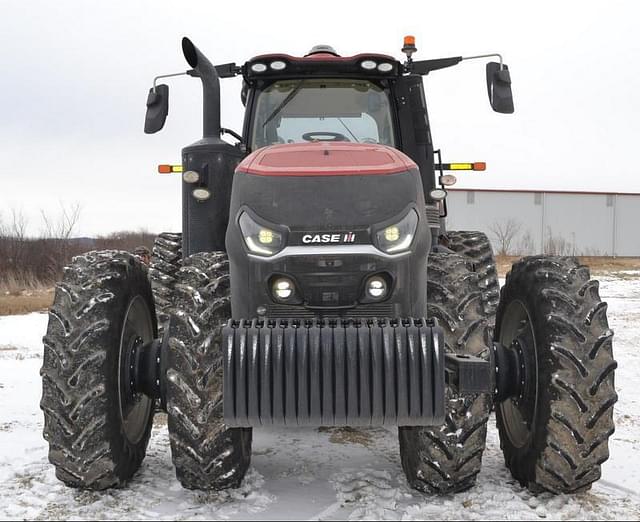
294	111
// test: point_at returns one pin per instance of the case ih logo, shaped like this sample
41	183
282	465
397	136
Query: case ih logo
342	237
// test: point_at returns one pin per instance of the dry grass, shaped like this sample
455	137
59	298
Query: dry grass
25	301
598	265
20	295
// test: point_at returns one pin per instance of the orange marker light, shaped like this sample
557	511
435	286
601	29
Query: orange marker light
168	169
480	165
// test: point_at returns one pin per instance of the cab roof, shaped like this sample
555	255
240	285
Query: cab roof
321	61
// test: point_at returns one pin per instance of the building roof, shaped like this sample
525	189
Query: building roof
545	191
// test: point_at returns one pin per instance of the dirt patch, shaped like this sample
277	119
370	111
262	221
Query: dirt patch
25	301
347	436
598	265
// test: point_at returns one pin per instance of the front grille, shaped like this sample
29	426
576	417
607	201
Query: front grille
331	280
375	310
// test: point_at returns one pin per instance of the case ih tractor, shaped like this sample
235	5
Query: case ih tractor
314	283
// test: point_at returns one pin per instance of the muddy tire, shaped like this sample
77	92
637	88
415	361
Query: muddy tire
476	247
447	459
96	426
206	454
166	260
554	433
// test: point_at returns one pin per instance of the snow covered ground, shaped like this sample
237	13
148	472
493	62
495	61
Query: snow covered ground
308	473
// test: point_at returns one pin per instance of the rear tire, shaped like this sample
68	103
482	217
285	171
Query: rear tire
97	428
207	455
554	435
447	459
165	263
476	247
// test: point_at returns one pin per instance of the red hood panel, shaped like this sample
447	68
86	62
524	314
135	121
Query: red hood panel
325	159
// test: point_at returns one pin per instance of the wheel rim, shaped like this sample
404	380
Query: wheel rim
519	412
135	408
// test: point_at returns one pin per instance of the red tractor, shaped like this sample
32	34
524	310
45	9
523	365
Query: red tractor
315	283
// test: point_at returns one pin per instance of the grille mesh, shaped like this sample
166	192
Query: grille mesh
433	215
380	310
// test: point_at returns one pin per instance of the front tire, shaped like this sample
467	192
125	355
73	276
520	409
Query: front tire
554	433
97	427
447	459
207	455
166	260
476	247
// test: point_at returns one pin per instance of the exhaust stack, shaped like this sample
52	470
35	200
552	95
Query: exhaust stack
210	88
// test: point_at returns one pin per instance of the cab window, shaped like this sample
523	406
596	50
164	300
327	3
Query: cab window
295	111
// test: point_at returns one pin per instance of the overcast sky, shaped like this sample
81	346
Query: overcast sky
74	76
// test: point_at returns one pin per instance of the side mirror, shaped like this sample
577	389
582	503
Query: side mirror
157	108
499	88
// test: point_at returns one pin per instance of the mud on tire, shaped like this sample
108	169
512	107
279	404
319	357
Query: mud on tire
166	260
83	399
206	454
447	459
476	247
567	407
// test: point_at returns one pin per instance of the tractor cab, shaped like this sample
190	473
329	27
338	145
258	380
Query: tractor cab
321	97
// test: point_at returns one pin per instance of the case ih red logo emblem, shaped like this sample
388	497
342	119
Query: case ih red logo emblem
342	237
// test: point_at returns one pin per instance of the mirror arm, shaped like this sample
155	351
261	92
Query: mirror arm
493	55
232	133
424	67
155	80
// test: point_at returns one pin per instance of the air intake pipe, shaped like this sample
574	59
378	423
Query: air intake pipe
204	70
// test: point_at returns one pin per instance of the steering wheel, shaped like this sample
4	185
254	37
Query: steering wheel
324	136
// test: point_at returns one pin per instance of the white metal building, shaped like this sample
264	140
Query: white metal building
576	223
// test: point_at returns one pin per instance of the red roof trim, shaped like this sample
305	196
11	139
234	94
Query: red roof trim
325	159
323	57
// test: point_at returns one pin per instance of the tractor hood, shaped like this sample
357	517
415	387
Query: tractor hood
326	186
326	159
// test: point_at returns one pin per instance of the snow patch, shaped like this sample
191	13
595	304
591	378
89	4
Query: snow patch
305	473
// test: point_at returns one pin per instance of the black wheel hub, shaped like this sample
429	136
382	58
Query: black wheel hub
135	407
517	373
131	356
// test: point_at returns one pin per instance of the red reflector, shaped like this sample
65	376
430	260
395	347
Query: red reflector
480	165
164	169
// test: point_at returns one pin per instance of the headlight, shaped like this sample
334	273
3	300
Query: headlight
283	288
377	287
398	238
259	239
258	67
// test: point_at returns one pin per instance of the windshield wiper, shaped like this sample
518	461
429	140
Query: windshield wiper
284	103
348	130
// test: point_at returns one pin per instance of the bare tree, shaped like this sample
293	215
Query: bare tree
63	227
31	262
558	245
526	246
55	237
505	232
17	234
